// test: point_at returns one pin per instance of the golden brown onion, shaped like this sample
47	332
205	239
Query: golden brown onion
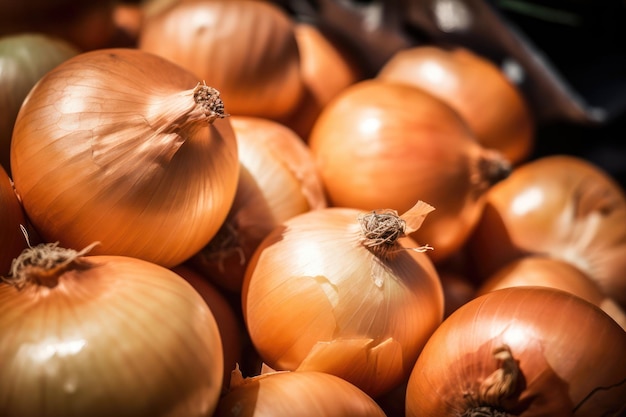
561	206
302	394
125	148
104	336
523	351
537	270
380	144
488	101
245	49
278	179
343	291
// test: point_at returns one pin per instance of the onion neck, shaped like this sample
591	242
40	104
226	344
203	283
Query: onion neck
491	168
43	265
496	388
381	230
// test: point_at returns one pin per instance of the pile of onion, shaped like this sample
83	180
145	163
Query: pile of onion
24	59
491	103
278	179
104	335
126	148
289	394
381	144
521	351
246	49
561	206
12	241
344	291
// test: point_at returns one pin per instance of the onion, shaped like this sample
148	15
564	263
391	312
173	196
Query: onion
326	69
12	241
228	323
24	59
523	351
561	206
302	394
125	148
245	49
491	104
86	24
278	180
537	270
382	144
104	336
343	291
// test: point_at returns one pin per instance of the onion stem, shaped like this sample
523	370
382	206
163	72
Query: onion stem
209	99
43	264
493	167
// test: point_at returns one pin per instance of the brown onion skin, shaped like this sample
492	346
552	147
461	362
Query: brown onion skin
246	49
132	162
561	206
493	107
569	352
302	394
12	241
381	144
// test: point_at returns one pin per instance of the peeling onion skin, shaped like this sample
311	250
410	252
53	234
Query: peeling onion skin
111	146
302	394
561	206
115	336
568	355
315	298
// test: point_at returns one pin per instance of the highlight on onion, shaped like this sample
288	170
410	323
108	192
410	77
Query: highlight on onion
12	241
561	206
104	336
24	59
383	144
126	148
492	104
278	179
522	351
302	394
544	271
246	49
344	291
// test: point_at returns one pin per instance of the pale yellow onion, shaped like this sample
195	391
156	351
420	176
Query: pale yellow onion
317	296
120	146
278	180
104	336
301	394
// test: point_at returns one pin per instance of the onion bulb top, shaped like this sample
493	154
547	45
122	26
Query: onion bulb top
522	351
128	149
12	241
344	291
385	144
104	336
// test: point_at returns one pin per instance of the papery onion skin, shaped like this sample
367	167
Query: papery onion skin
278	180
24	59
110	336
569	353
302	394
491	104
537	270
561	206
315	298
245	49
12	241
382	144
111	146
